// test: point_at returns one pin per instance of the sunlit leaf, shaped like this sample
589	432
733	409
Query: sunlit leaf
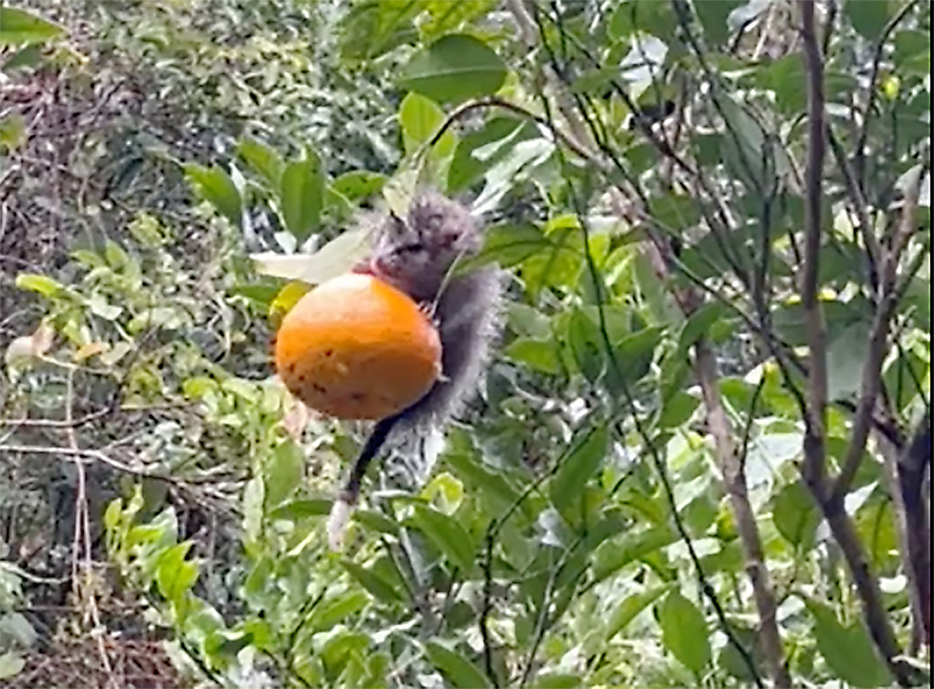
454	68
301	194
216	186
18	27
684	632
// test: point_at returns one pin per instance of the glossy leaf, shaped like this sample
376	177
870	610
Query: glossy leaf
302	195
19	27
684	632
376	585
214	185
457	670
454	68
576	470
847	650
796	516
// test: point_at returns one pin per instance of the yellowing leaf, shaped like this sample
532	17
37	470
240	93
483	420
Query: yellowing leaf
287	298
91	349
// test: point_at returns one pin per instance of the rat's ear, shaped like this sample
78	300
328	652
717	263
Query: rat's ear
392	226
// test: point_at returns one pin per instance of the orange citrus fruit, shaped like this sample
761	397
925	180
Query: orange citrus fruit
357	348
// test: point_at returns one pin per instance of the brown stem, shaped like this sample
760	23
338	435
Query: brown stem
878	341
814	440
734	476
814	467
908	542
867	586
913	461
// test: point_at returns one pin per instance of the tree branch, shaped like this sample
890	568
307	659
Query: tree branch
814	451
734	476
878	343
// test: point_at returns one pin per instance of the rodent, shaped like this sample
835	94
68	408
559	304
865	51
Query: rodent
417	254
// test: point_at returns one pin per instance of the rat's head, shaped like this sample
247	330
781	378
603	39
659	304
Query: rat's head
416	253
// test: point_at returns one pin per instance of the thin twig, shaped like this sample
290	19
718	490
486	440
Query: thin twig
878	344
873	81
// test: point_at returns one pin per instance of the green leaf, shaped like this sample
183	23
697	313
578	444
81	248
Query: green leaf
633	355
283	473
421	118
568	483
18	27
339	608
630	607
507	245
868	17
27	57
538	355
42	284
457	670
848	650
445	493
377	522
520	163
215	186
11	664
302	195
677	410
700	323
263	159
845	358
12	131
374	27
553	680
796	516
450	537
358	185
490	483
637	16
585	342
466	168
376	585
713	16
616	554
257	592
684	632
294	510
454	68
174	574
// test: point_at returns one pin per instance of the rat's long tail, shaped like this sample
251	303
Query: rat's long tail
348	496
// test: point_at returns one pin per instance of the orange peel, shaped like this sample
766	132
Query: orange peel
356	347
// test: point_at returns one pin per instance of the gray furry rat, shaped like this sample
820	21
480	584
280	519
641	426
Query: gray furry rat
417	254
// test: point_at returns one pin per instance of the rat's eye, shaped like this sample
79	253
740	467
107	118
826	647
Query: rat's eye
411	248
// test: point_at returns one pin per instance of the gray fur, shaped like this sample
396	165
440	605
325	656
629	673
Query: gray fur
416	254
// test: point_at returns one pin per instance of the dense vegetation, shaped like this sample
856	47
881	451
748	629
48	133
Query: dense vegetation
698	458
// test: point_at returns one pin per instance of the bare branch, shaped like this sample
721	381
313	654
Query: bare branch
734	477
913	461
878	343
814	450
